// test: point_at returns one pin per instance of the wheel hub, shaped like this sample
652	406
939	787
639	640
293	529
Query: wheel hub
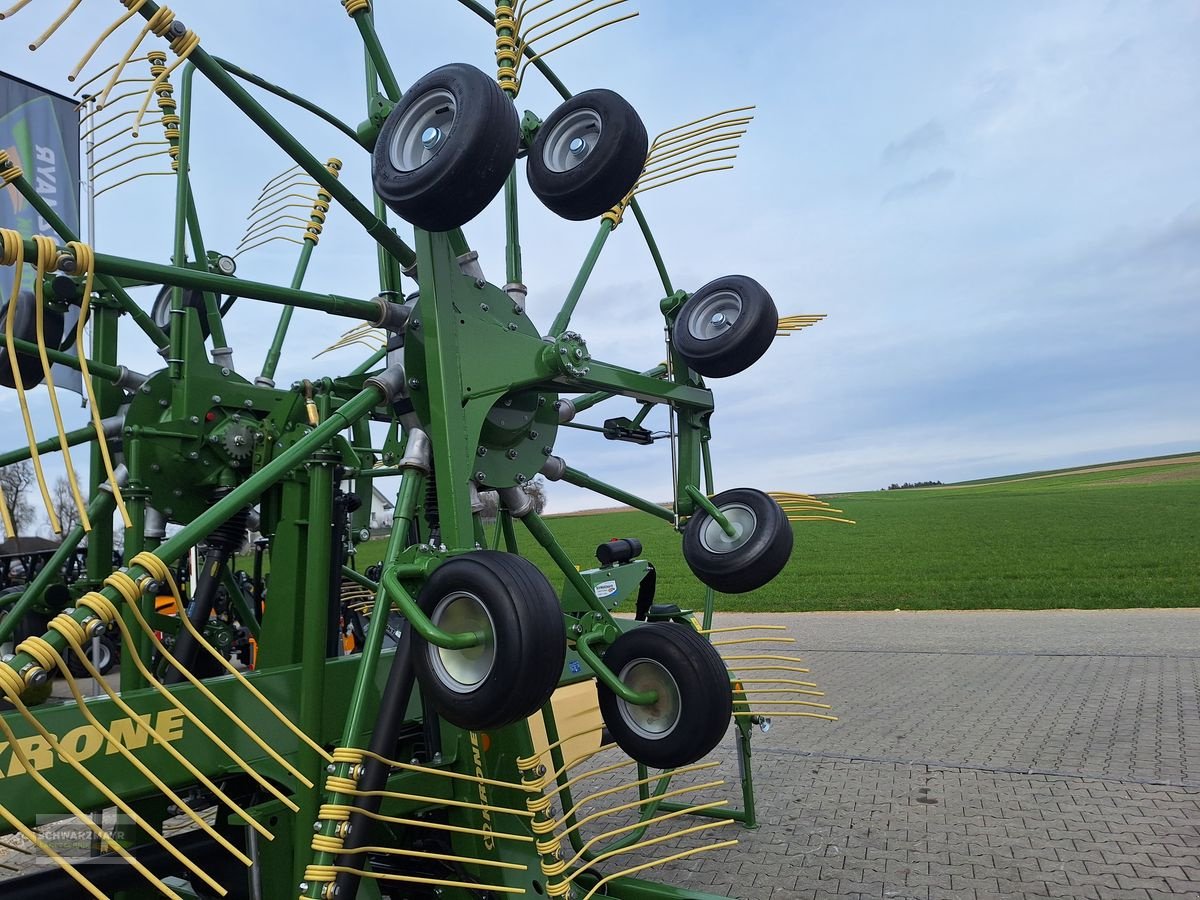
464	670
572	140
715	315
744	522
423	131
653	720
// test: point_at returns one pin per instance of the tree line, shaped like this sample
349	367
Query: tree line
21	493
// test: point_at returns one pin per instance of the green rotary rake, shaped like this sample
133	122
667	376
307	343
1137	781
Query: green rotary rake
444	724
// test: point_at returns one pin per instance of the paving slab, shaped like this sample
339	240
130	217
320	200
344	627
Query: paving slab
977	755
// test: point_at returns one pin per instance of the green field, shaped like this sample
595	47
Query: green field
1114	538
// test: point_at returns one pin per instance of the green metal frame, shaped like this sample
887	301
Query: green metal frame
470	350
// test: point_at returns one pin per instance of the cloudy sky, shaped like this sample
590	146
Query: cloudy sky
997	205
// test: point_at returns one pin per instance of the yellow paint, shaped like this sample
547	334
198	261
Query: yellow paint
85	741
576	710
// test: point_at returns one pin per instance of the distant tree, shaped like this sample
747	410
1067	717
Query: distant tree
18	481
63	500
118	535
536	489
912	484
491	504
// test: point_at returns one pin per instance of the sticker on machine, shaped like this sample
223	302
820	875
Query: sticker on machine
605	589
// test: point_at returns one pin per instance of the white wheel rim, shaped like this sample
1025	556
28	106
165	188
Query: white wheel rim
572	140
653	721
713	537
462	671
714	315
423	131
105	655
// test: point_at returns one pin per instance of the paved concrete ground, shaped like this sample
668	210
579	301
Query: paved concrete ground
977	755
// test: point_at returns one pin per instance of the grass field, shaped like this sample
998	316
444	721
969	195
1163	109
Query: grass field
1084	538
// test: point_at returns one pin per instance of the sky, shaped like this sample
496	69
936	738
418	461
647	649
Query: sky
996	205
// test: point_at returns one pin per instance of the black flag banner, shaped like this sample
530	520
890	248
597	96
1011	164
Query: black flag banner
39	129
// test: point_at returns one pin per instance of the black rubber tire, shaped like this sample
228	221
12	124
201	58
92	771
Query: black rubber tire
705	697
738	346
606	173
453	185
160	312
741	565
529	640
25	328
110	655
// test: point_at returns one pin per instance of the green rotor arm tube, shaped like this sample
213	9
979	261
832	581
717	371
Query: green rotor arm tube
226	84
128	304
333	304
102	505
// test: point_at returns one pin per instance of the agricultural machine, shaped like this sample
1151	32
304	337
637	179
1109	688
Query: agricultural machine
480	732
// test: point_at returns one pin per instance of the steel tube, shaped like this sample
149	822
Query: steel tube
139	315
225	83
583	480
585	272
285	317
332	304
102	505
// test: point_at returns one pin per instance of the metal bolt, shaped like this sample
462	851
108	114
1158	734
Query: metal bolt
431	137
578	147
521	479
546	451
718	319
533	435
316	827
195	420
480	282
578	353
225	371
304	887
512	326
193	455
482	451
511	454
216	398
249	404
480	477
331	768
483	307
414	384
164	403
